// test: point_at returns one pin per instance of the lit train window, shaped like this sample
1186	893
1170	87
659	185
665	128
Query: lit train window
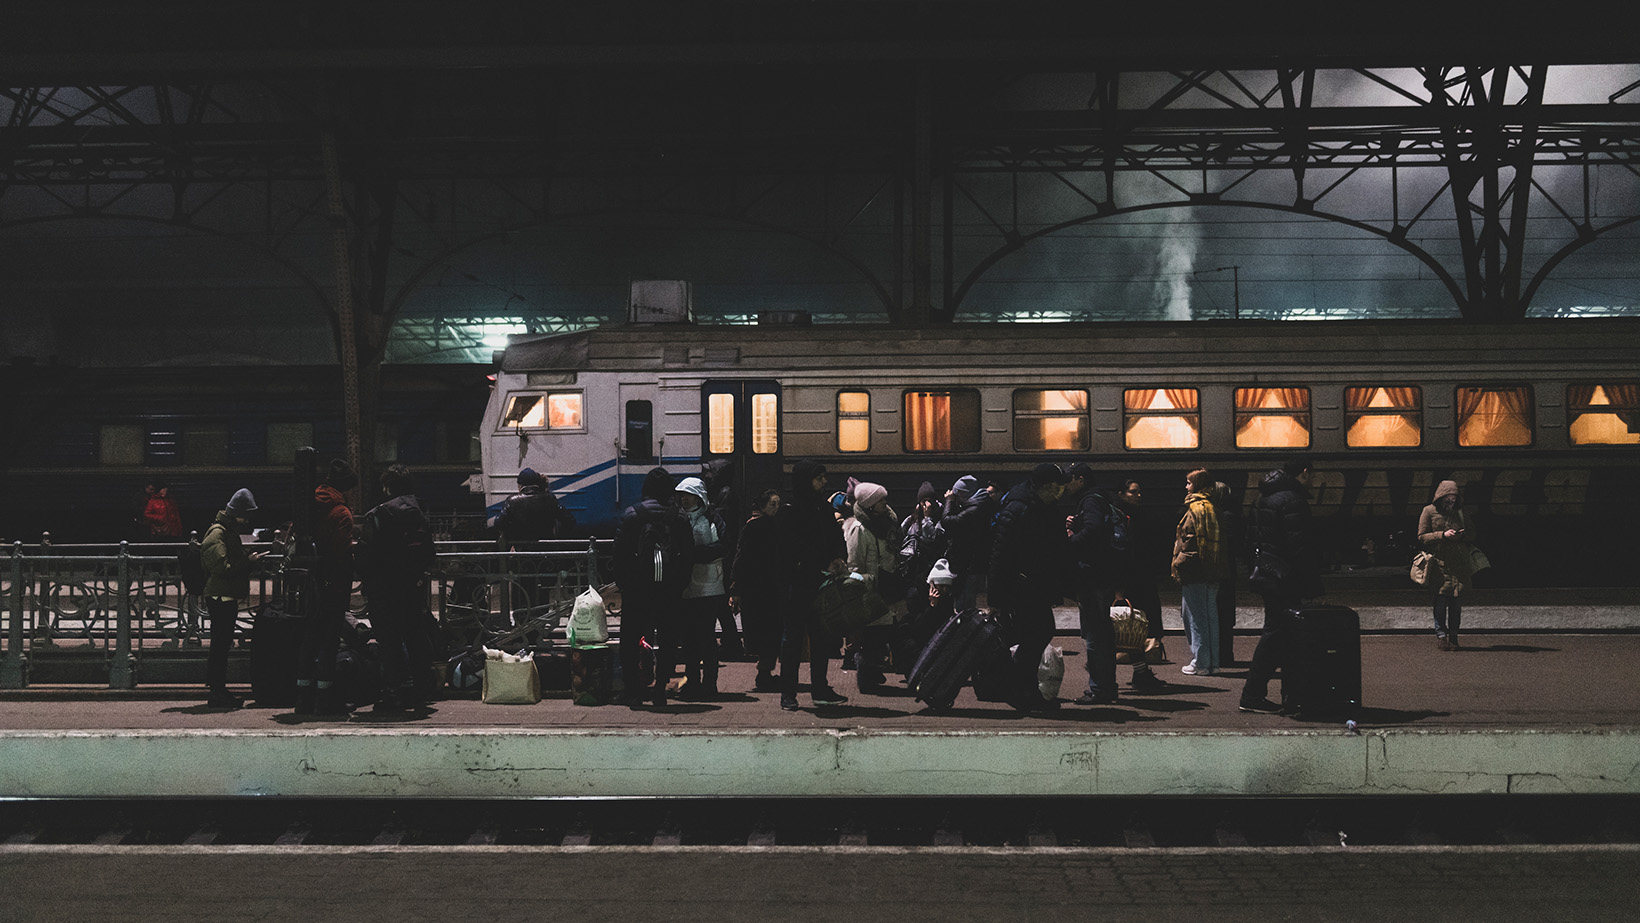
1383	417
853	421
1272	418
765	424
1494	416
720	423
941	421
559	410
1604	414
1161	418
1050	421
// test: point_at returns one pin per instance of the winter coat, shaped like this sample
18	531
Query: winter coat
1090	540
707	575
1451	554
395	548
873	542
922	543
164	522
635	575
222	554
333	534
813	538
532	515
1198	548
1281	536
760	563
1028	550
968	531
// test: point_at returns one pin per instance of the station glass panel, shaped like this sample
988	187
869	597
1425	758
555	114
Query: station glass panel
1050	421
1161	418
720	423
557	410
121	444
1604	414
1492	416
1272	418
1383	417
941	421
853	421
765	424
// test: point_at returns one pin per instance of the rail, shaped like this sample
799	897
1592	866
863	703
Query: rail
124	603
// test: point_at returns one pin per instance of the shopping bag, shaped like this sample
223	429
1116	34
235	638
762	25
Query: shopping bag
1423	568
1050	673
588	623
510	679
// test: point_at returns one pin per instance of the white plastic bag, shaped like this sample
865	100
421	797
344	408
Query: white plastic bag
510	679
1050	673
588	624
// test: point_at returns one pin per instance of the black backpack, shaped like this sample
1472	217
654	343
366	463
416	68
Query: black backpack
1116	526
654	538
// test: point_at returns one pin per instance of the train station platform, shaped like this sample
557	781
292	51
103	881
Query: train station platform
1511	712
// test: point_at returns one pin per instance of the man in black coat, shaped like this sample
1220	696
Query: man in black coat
971	507
533	514
1027	557
653	546
814	545
1101	535
394	554
1286	571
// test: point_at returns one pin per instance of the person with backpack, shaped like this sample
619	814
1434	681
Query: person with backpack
1101	536
316	689
394	555
653	546
1024	575
227	581
971	509
813	541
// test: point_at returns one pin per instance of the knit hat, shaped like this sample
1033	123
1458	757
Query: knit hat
531	476
927	492
965	486
242	502
867	493
941	573
341	475
1048	473
694	486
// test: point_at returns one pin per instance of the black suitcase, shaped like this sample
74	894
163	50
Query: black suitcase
968	640
1323	669
276	640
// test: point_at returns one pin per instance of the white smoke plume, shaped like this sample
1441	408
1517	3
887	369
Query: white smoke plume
1174	264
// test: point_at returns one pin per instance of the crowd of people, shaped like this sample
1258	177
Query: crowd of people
690	556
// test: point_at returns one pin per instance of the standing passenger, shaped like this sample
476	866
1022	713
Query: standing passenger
706	597
1140	572
394	554
163	517
814	542
1198	564
760	587
652	548
719	478
872	538
1284	555
533	514
970	511
227	581
1026	562
922	543
1094	538
1230	533
1444	531
316	691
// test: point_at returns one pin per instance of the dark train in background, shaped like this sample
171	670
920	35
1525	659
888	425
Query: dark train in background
81	444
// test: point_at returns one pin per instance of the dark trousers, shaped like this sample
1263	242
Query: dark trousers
1227	620
223	614
1274	647
699	643
655	616
316	658
1448	615
398	616
802	623
1098	633
1033	626
764	615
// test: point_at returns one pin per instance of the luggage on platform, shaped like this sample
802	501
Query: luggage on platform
1323	669
967	641
592	680
276	640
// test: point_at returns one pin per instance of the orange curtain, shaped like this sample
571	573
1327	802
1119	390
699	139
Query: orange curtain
1399	398
1261	398
928	421
1493	416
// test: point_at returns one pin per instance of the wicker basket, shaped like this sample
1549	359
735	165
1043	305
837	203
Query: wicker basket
1131	629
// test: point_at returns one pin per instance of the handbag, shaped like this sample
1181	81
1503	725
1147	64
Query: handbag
845	605
1423	566
1269	574
1154	651
510	679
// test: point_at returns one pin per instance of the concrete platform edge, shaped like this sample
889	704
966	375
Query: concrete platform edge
606	763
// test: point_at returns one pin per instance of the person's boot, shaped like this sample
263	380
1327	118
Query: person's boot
328	701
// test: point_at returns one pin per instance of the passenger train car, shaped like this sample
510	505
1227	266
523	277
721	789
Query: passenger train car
1539	421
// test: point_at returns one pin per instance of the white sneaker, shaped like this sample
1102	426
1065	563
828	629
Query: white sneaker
1189	669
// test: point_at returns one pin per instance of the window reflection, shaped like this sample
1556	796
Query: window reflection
550	411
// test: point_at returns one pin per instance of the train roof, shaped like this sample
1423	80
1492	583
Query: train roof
685	346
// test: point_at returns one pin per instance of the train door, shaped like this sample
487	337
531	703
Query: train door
641	443
740	422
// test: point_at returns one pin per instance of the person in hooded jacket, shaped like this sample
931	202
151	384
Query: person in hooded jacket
1284	555
721	495
872	536
1198	565
970	512
760	588
316	691
533	514
1027	560
163	518
1445	532
706	597
652	583
393	557
227	581
815	548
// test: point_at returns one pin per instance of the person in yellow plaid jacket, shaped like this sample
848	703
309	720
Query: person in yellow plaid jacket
1198	564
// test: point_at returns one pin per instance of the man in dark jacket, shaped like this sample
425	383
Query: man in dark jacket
652	550
971	508
394	555
814	543
1027	558
1099	531
1288	571
316	691
533	514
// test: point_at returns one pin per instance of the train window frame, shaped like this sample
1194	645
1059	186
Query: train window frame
853	416
1351	417
1238	414
978	421
1084	430
1576	410
544	395
1531	415
1130	417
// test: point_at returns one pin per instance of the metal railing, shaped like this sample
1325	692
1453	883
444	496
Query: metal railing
128	601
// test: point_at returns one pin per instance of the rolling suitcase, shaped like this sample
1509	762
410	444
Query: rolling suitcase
968	640
1323	670
276	639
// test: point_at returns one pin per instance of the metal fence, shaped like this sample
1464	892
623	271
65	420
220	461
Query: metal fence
121	603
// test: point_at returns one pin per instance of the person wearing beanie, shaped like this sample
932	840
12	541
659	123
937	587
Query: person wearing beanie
872	537
707	595
227	581
813	542
532	515
653	549
923	544
394	554
316	691
971	509
1026	559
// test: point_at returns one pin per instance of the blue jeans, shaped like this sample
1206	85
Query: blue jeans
1448	613
1201	623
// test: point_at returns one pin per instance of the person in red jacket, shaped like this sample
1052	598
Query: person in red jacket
316	691
161	514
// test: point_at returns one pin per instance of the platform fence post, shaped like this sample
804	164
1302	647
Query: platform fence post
13	674
119	673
